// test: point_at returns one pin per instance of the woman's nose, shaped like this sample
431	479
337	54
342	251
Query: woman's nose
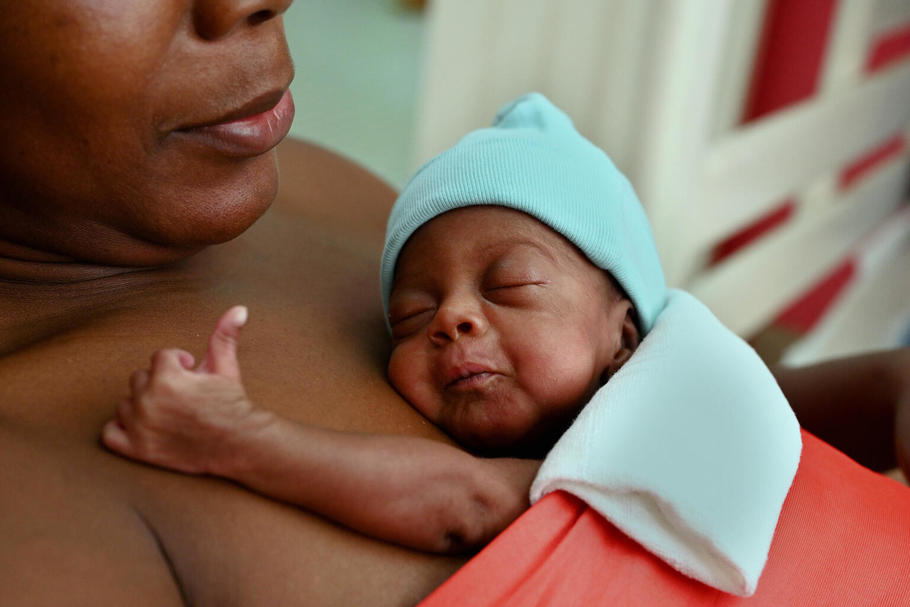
457	319
214	19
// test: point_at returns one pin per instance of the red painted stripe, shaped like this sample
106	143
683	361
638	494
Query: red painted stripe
788	63
753	232
804	313
790	54
893	46
871	160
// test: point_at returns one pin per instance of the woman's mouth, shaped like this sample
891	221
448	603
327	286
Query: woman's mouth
247	132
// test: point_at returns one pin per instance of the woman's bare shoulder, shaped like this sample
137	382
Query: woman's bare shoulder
79	519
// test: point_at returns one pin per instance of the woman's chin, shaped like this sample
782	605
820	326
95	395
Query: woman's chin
212	211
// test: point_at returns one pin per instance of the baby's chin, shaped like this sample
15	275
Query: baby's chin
496	444
504	424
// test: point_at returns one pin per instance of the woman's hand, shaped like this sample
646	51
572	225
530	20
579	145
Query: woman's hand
183	418
860	404
902	413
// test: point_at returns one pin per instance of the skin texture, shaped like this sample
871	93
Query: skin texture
502	329
83	526
199	420
860	404
97	196
88	198
95	94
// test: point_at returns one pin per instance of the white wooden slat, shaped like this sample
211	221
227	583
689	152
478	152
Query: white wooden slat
888	15
884	241
613	122
594	67
847	47
842	68
676	120
744	30
478	55
749	289
588	56
753	168
583	40
456	43
875	312
519	50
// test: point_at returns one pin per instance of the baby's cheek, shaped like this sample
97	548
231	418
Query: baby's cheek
559	372
409	375
397	370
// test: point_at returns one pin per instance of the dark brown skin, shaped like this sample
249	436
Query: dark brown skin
498	322
91	188
859	404
95	184
311	273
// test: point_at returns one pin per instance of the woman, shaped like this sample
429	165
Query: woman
136	134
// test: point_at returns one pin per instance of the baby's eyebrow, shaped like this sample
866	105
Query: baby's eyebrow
508	246
404	283
406	292
409	282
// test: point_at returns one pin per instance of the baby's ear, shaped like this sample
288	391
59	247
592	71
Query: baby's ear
629	339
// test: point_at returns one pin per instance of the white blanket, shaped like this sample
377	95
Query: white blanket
689	449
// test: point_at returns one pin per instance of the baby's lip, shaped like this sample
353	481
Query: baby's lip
468	375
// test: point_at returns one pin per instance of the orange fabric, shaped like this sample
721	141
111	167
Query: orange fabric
843	539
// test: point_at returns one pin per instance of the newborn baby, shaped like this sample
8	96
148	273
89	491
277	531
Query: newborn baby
519	273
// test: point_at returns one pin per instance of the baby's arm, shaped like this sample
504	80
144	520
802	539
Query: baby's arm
417	492
412	491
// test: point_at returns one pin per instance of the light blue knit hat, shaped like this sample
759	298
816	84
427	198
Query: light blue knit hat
532	159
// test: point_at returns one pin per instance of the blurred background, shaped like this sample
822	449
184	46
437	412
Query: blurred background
767	139
358	65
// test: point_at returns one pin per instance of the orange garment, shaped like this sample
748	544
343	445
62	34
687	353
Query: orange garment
843	538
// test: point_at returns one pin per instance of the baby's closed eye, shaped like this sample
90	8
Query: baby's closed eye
515	275
514	290
405	322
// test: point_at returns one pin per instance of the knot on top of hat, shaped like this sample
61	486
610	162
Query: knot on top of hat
533	110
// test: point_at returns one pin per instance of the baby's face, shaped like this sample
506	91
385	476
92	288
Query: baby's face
502	329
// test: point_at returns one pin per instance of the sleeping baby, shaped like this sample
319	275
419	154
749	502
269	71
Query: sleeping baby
519	275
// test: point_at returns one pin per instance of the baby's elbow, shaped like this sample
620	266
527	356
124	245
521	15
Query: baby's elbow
474	520
462	535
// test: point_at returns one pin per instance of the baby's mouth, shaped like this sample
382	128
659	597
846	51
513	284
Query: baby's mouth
469	376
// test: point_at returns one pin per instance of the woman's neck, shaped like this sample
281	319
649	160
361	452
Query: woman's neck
22	264
54	272
26	265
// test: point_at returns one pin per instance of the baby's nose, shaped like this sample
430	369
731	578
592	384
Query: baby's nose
456	320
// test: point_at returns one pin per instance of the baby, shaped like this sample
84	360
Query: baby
519	274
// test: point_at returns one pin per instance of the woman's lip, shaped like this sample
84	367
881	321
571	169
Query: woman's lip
245	136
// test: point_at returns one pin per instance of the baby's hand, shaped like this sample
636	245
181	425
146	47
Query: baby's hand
181	418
